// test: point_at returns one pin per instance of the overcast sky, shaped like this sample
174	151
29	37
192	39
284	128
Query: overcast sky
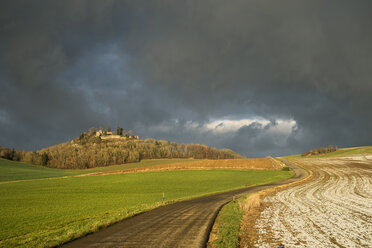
262	77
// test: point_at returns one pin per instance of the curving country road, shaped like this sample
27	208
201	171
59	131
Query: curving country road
182	224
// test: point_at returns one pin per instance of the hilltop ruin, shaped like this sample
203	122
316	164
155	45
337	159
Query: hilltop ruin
110	135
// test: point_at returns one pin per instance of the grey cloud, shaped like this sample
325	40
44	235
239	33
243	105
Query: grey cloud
255	140
65	66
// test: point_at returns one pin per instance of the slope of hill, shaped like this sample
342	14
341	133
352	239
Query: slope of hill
339	152
352	151
12	170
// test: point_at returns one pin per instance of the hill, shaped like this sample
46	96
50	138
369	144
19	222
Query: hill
12	171
346	152
318	151
337	152
103	149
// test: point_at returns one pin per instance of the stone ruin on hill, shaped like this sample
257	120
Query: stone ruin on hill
110	135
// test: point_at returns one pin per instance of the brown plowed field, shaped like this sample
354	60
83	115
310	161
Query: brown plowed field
334	209
205	164
249	164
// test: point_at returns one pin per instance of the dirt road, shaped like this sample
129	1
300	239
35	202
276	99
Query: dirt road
183	224
333	210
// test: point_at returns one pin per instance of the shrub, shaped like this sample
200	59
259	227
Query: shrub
321	150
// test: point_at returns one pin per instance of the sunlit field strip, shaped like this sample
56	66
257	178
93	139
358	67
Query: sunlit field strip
13	171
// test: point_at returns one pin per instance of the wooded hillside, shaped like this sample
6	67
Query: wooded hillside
89	151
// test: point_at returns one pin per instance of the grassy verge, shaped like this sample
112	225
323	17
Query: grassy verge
228	222
228	225
12	171
45	213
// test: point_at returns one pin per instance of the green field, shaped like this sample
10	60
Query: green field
44	213
10	170
364	150
342	152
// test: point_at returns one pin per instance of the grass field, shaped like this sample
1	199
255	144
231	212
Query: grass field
44	213
342	152
11	171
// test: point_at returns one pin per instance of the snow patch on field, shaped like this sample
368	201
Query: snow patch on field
333	210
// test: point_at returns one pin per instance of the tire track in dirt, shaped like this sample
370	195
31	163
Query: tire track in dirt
332	210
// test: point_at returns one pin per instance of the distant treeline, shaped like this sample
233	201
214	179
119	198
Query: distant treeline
24	156
321	150
89	151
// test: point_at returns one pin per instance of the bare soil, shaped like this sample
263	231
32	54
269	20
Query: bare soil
206	164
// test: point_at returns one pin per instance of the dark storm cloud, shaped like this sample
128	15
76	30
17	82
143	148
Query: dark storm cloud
69	65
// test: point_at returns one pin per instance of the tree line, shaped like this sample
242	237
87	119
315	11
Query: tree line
36	158
88	151
321	150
